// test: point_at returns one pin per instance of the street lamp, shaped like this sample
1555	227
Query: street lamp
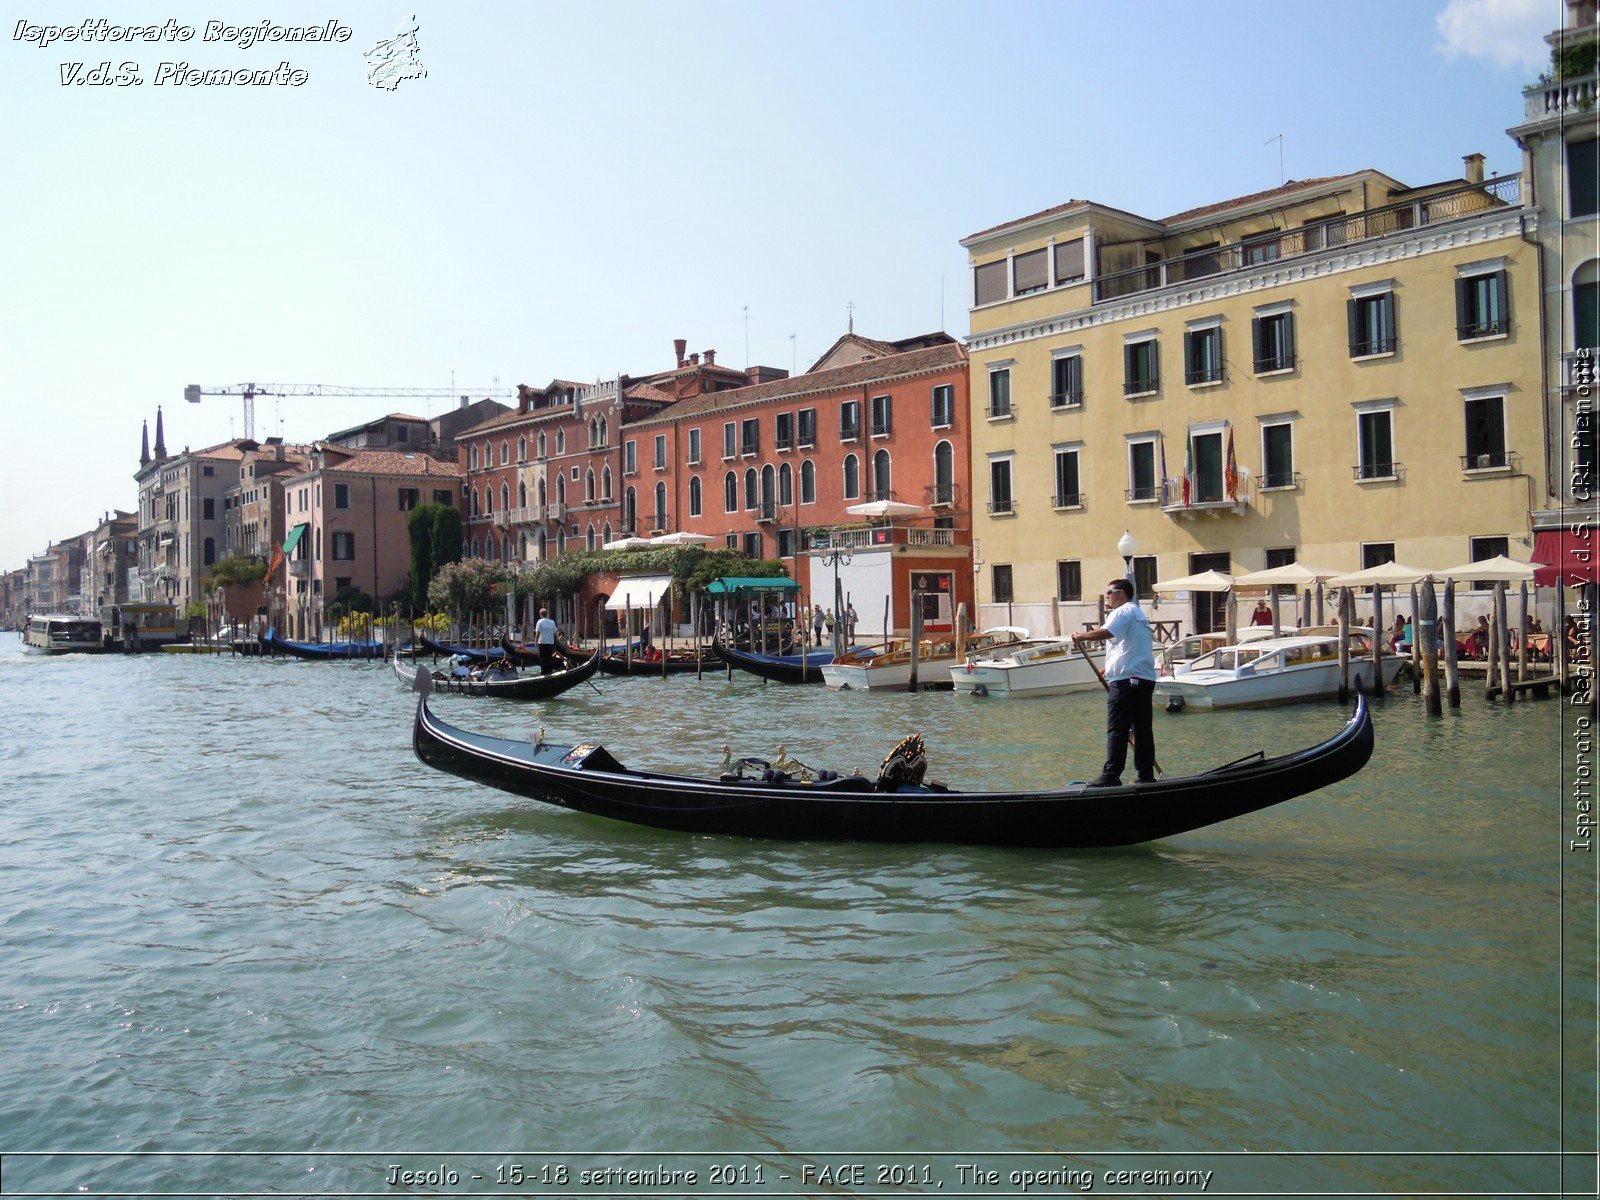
835	556
1125	547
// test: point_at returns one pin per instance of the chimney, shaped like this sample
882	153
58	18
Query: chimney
465	400
694	360
1474	167
711	358
679	345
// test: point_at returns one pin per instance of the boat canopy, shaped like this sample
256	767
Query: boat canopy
729	585
640	591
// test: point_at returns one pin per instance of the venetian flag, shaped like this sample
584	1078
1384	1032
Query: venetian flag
1188	468
277	560
1231	479
1161	481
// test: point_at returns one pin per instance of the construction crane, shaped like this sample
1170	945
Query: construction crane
249	391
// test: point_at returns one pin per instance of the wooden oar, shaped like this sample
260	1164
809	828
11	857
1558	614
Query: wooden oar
1100	675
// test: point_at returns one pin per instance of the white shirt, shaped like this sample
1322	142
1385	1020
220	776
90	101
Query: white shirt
545	632
1131	652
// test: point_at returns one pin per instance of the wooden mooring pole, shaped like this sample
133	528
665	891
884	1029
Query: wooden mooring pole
1505	642
1492	655
916	637
1522	635
1452	670
1346	610
1377	641
1425	625
1416	645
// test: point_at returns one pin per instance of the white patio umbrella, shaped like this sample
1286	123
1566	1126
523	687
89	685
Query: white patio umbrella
885	508
1294	574
682	538
1389	574
1206	581
626	543
1491	570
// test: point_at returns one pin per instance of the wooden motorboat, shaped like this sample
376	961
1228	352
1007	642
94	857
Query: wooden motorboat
527	685
896	807
323	651
1276	671
1037	667
780	668
888	666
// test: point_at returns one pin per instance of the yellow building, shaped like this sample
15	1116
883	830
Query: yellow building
1340	370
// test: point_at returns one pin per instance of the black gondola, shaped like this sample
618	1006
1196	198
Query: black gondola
446	650
898	806
323	651
780	668
522	687
646	664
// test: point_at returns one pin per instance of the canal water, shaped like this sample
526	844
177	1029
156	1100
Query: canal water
251	944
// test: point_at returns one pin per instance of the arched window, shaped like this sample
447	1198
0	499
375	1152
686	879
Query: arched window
588	539
605	534
588	485
750	496
474	547
505	549
1586	306
808	482
522	493
852	478
594	433
602	431
541	443
880	476
785	485
543	542
488	501
769	489
522	449
730	492
561	540
472	458
475	502
541	493
561	490
661	506
561	441
630	511
694	496
505	497
944	474
488	546
505	452
605	484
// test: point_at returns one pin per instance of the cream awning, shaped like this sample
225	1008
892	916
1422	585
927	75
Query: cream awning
641	591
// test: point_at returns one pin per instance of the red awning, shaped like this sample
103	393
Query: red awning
1569	556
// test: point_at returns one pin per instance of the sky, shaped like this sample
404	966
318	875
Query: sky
570	187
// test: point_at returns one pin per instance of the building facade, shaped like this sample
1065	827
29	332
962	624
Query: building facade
182	516
111	557
1340	371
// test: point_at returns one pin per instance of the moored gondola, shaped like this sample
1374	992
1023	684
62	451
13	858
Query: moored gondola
478	654
780	668
896	807
322	651
648	662
527	686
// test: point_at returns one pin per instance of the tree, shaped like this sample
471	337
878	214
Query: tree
350	599
237	569
435	533
472	586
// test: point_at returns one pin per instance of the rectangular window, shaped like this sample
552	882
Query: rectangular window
1031	271
1262	249
1277	456
1273	338
341	495
1375	432
1202	355
808	428
849	420
1375	554
1000	583
402	433
989	283
752	544
1206	481
783	431
1069	579
1372	328
1482	306
409	497
1000	393
1000	486
1486	434
1067	492
730	441
1142	481
694	447
750	436
630	457
443	496
786	543
731	541
1486	548
344	546
942	406
1282	556
661	452
882	419
1583	177
1144	575
1066	381
208	509
1140	368
1069	261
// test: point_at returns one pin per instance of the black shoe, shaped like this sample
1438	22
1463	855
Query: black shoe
1105	781
1145	779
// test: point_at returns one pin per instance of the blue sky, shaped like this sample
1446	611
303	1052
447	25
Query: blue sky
571	187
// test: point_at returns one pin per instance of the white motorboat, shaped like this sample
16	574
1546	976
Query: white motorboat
1041	667
59	633
888	666
1176	658
1274	671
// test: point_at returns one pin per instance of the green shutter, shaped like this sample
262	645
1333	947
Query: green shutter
1353	323
1463	305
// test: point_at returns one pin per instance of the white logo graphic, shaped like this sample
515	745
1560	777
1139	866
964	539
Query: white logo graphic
395	59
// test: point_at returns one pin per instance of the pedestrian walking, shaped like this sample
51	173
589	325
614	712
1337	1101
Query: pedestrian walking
1130	677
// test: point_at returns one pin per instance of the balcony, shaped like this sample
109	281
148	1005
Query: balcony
298	567
1002	508
940	495
555	512
1282	481
529	515
1578	369
1067	500
1207	496
850	433
994	412
767	511
896	535
1378	472
1066	399
1336	233
1574	97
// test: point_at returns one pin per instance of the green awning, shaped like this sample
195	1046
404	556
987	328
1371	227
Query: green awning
295	534
726	586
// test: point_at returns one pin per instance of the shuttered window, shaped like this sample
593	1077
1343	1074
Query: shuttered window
1069	261
1033	271
989	282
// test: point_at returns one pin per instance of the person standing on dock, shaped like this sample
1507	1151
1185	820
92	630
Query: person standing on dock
1130	678
544	636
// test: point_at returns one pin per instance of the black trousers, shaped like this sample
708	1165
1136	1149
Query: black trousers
547	655
1128	708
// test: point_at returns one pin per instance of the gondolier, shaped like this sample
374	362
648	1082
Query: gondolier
544	636
1130	677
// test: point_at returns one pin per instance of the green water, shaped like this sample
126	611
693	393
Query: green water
251	944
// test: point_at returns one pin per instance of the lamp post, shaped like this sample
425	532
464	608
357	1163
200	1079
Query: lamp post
1125	547
835	556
